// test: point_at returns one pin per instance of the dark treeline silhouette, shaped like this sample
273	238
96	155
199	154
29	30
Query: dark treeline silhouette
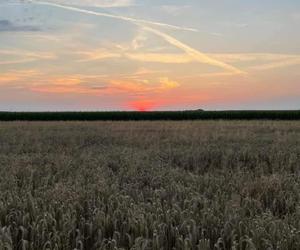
153	115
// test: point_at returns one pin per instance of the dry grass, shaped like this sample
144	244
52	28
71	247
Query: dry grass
150	185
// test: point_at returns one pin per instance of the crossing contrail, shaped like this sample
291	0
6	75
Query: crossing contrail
194	53
124	18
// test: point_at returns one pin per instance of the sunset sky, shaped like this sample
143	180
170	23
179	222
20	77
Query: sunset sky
149	54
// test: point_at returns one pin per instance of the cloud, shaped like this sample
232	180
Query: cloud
103	54
7	77
143	86
124	18
166	83
276	65
96	55
145	71
262	61
74	84
22	57
160	58
97	85
259	61
247	57
67	81
18	61
96	3
139	41
8	26
36	81
271	60
211	75
77	89
197	55
17	76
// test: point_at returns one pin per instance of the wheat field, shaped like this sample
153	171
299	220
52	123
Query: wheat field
150	185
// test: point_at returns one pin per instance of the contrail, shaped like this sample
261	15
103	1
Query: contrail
197	55
129	19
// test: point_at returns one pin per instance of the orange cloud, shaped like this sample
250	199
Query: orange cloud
142	86
17	76
160	57
67	81
5	78
103	54
166	83
96	55
62	89
96	85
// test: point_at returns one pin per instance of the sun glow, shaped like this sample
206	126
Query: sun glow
143	105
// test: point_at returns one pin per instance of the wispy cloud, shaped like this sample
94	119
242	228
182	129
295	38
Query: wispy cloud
160	57
93	85
124	18
216	75
96	55
22	57
36	81
197	55
65	89
244	57
7	78
278	64
79	84
166	83
145	86
17	61
131	54
139	41
17	76
8	26
96	3
261	61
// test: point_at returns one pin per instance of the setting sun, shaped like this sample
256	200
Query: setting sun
143	105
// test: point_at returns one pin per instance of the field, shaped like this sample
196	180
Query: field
151	185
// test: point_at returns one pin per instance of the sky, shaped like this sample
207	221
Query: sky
145	55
